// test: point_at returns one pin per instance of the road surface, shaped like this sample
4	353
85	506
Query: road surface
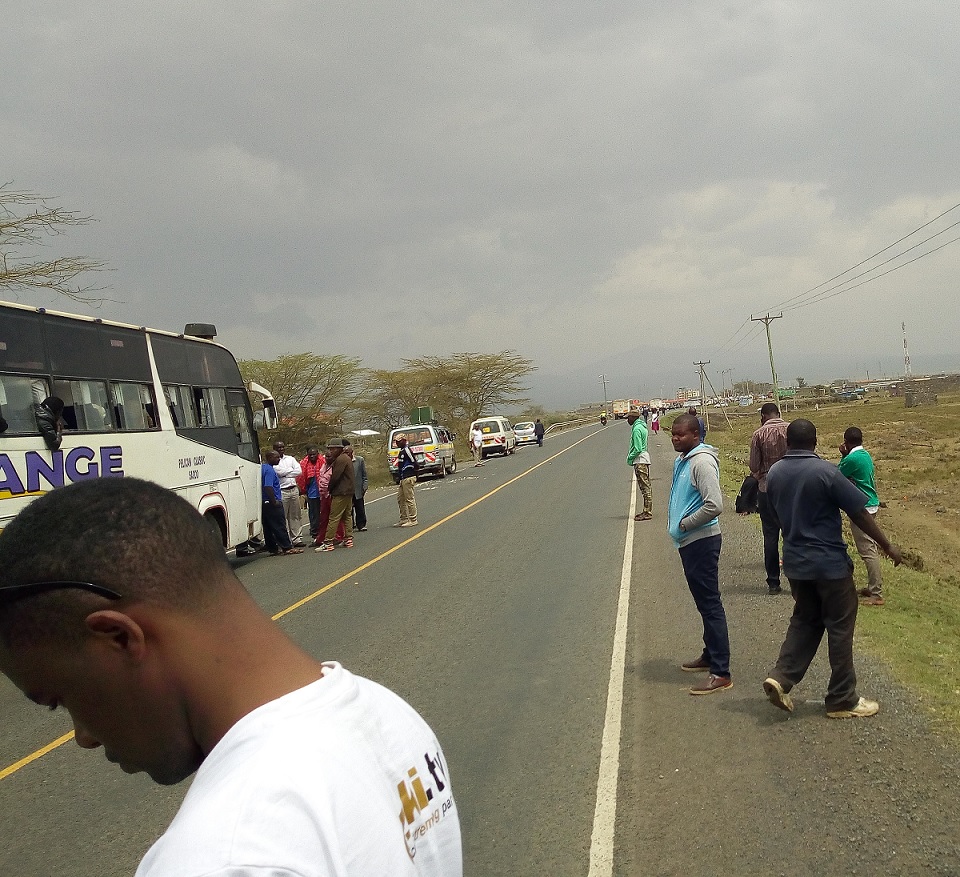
546	656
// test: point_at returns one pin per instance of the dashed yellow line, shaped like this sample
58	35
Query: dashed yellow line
33	756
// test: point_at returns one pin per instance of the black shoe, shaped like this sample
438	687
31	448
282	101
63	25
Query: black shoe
772	591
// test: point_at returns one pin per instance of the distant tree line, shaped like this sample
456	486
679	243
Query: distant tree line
322	395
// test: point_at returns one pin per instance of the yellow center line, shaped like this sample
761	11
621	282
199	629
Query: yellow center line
33	756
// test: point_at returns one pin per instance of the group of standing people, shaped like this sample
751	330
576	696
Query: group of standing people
333	486
800	495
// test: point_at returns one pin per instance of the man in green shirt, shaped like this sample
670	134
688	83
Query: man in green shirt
639	458
857	465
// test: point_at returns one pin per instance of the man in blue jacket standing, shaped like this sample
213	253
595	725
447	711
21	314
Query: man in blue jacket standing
696	502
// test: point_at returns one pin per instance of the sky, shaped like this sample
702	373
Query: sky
609	189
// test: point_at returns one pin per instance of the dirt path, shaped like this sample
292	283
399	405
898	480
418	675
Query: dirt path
727	784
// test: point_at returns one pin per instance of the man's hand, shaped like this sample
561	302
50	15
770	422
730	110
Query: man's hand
843	450
893	552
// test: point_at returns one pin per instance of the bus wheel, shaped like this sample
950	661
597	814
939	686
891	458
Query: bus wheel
217	527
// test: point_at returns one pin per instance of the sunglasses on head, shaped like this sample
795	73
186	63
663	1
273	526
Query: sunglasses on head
14	592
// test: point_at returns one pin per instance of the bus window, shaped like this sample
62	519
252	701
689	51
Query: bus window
18	395
133	404
180	403
240	413
86	406
212	406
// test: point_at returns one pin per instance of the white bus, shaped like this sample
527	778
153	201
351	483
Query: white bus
199	441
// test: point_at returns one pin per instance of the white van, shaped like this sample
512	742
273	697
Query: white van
498	435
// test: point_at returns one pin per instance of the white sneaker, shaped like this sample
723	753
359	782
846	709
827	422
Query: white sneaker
409	524
399	523
863	709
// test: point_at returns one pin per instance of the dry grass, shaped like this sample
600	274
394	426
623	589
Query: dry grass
917	457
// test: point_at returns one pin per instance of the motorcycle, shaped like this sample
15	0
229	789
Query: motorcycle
603	421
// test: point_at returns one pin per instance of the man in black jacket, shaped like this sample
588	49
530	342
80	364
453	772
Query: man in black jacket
50	421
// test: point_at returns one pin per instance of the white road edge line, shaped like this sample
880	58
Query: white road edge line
605	812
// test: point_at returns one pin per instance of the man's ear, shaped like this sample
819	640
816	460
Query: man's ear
117	631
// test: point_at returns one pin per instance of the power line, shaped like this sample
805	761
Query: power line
822	296
864	261
884	274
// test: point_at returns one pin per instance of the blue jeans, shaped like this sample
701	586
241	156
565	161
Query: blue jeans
701	566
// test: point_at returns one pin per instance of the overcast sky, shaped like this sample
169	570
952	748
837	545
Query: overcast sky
607	188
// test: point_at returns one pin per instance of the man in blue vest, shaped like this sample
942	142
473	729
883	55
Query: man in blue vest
696	502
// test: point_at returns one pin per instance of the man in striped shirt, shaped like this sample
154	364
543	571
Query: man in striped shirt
769	444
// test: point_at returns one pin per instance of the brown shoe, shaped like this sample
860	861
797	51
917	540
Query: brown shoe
872	601
695	666
643	516
863	592
711	684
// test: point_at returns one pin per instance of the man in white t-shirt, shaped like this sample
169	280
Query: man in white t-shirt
289	472
139	628
476	445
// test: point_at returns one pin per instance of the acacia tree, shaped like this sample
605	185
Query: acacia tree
313	392
465	385
26	219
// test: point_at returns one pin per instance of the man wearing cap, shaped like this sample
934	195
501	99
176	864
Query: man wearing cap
289	472
639	458
407	472
341	496
140	630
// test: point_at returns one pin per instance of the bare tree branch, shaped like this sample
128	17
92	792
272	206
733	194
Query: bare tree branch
26	219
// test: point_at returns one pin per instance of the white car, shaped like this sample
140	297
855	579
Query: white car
525	432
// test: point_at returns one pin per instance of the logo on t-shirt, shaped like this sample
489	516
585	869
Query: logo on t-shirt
423	802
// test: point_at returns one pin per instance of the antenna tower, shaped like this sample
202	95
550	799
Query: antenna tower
906	354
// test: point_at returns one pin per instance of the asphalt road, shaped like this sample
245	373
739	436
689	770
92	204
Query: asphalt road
497	619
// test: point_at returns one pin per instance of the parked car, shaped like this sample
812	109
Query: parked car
525	433
498	435
432	446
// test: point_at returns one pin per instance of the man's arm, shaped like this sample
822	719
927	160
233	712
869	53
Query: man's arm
864	520
756	457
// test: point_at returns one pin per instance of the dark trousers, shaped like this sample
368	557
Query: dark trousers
313	512
701	566
822	605
359	513
275	528
770	526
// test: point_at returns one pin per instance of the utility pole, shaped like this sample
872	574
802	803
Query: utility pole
603	380
703	392
767	320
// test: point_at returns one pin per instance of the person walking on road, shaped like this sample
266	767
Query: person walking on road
476	445
768	444
857	465
655	421
274	524
311	467
538	431
341	497
639	458
702	424
139	628
808	493
696	502
407	471
360	484
289	473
